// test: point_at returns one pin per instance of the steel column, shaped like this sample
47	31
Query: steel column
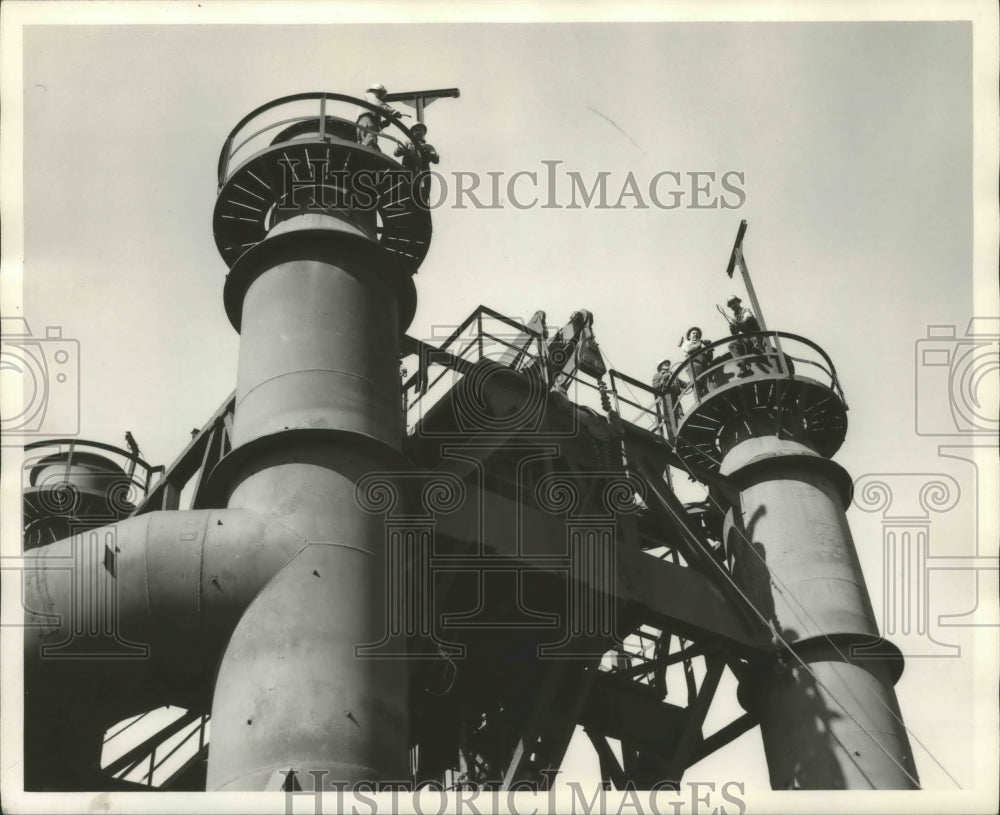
317	408
828	720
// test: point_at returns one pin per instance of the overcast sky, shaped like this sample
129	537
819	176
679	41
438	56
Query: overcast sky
851	145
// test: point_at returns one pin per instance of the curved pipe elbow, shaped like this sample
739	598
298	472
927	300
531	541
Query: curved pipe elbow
121	613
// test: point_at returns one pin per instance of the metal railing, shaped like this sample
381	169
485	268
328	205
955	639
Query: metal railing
761	355
748	357
157	752
649	413
140	476
525	351
472	341
322	117
206	448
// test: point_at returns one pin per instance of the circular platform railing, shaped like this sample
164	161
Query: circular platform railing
315	116
310	153
73	481
766	381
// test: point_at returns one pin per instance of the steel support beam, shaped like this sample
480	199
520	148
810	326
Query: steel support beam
720	738
549	728
691	734
611	770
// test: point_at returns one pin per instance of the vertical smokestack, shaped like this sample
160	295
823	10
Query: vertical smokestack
773	412
828	711
320	305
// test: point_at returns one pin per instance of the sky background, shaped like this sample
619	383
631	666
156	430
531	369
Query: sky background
855	141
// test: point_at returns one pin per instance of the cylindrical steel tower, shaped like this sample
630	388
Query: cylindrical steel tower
320	296
827	708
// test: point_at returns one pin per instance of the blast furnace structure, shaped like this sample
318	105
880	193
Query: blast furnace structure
440	574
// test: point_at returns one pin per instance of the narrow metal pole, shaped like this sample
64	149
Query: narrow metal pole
736	257
750	290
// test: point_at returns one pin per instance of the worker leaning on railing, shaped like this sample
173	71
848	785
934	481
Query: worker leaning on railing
417	155
663	386
699	357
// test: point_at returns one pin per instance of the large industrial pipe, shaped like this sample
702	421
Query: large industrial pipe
317	407
128	617
829	717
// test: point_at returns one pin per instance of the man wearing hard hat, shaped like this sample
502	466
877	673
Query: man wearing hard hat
741	323
369	122
417	156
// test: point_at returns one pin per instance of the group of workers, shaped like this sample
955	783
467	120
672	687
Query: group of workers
699	354
416	155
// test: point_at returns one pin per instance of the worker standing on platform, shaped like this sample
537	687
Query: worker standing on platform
661	376
694	345
369	122
417	156
660	380
743	323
